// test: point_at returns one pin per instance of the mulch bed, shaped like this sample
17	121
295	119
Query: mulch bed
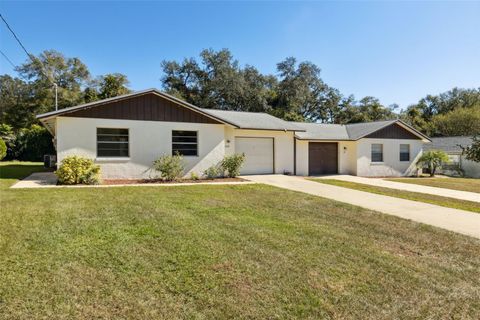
147	181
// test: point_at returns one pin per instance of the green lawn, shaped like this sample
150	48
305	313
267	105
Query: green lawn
415	196
462	184
208	252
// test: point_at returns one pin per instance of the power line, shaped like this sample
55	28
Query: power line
32	57
13	64
15	36
6	58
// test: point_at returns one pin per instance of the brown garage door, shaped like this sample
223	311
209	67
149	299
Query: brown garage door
322	158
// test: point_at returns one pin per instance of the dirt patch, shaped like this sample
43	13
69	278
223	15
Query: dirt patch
147	181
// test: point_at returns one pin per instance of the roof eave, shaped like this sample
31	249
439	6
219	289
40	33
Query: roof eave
52	114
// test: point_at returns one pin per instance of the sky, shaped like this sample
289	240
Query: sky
395	51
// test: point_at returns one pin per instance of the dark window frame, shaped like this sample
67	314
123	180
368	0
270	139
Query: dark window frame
404	158
186	144
99	142
374	155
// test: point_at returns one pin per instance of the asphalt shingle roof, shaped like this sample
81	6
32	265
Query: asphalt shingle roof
358	130
353	131
322	131
449	144
253	120
256	120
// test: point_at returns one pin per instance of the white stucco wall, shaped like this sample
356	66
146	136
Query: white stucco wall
346	157
283	145
148	141
391	165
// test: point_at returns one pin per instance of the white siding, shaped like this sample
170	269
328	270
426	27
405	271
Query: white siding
391	165
148	141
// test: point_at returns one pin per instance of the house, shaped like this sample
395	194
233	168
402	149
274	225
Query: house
126	133
451	146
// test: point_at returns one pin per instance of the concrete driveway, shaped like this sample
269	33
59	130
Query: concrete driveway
464	222
443	192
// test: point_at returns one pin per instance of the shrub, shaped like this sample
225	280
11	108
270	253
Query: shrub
170	167
432	159
78	170
8	136
212	172
3	149
232	164
194	176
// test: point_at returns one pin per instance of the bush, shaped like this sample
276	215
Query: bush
232	164
432	159
170	167
212	172
31	144
3	149
194	176
8	137
78	170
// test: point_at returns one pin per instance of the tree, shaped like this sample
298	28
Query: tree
423	114
17	103
90	94
472	152
458	122
70	74
432	159
300	89
111	85
217	81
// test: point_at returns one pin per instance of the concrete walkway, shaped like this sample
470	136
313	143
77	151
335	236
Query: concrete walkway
457	194
464	222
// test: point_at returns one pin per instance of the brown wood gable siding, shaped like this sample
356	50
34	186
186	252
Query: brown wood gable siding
393	131
148	107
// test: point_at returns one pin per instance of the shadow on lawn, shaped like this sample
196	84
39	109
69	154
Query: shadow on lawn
19	171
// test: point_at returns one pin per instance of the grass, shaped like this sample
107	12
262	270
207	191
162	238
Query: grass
209	252
462	184
415	196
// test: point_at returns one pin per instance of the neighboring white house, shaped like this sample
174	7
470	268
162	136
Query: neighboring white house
125	134
451	146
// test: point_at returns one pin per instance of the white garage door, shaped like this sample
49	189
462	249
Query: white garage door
258	154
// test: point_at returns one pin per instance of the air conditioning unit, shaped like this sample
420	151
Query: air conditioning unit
49	160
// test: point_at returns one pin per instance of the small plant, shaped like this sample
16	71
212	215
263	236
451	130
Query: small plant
78	170
212	172
170	167
232	164
433	160
194	176
3	149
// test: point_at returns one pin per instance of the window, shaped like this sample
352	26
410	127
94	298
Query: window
404	152
185	143
112	143
377	152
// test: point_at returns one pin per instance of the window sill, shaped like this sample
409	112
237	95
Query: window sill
377	163
113	159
